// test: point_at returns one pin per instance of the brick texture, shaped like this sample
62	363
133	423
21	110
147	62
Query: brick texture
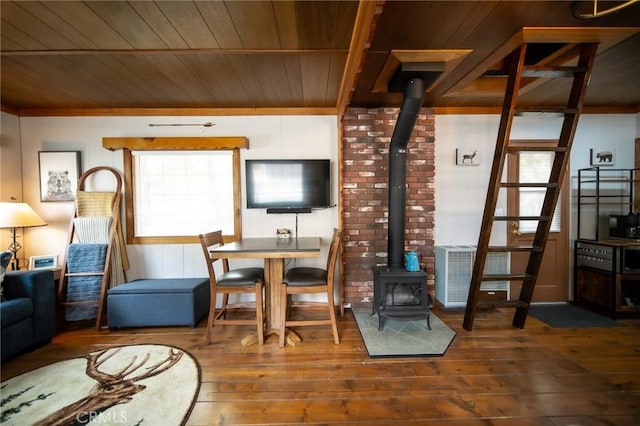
366	137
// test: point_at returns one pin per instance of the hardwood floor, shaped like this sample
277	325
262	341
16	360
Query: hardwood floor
495	375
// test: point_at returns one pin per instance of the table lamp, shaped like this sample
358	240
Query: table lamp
18	215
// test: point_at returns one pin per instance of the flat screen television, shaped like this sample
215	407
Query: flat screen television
288	186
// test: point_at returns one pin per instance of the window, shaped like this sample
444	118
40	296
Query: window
535	167
180	189
182	193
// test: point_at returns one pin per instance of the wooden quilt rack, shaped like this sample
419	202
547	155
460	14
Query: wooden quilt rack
83	209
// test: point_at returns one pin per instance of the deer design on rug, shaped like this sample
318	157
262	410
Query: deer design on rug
112	388
469	157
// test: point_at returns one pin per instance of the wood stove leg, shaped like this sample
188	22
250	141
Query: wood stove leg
380	322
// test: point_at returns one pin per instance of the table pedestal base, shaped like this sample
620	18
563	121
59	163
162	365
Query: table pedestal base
292	338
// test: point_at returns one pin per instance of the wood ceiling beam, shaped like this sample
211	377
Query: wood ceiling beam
363	27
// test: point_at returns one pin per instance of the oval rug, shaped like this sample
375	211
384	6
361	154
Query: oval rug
122	385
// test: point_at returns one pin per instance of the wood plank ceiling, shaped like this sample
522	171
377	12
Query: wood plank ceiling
293	57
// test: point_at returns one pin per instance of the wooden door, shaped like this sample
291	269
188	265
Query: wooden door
552	284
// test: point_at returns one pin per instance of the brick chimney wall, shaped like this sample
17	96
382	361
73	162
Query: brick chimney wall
366	137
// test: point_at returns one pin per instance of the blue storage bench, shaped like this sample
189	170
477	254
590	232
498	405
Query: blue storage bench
158	302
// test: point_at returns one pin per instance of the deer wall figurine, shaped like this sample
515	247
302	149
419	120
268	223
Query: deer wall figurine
469	157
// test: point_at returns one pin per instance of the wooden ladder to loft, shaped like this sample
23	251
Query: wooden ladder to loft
105	272
517	70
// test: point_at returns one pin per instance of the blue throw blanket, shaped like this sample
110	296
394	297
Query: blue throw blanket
84	258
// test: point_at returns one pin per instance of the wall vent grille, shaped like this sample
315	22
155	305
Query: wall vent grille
454	266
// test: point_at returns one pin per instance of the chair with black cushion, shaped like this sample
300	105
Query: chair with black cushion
236	281
308	280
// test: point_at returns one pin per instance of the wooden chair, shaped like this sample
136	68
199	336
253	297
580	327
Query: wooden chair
236	281
306	280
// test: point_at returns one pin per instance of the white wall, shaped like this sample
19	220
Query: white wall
616	133
10	169
10	165
269	137
461	190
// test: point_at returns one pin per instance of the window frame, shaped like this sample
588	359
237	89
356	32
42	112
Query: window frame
128	145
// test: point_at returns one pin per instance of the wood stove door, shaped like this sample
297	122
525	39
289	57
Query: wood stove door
553	281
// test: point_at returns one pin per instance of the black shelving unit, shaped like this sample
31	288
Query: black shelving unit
601	281
603	191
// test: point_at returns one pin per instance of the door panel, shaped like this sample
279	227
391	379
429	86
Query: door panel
552	284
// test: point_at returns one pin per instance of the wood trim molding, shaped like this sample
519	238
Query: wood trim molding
586	110
10	110
170	112
176	143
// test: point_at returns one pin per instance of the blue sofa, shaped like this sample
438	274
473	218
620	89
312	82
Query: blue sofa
27	311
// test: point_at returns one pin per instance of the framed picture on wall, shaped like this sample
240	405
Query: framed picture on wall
467	157
43	262
603	157
59	173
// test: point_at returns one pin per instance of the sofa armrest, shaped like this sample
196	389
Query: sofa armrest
40	287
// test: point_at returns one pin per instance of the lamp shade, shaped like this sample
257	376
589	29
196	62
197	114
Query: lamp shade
19	215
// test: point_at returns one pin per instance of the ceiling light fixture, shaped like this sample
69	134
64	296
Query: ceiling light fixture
595	13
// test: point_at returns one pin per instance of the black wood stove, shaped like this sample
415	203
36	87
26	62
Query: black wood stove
400	294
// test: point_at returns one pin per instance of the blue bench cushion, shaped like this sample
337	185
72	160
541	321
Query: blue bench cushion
158	302
161	285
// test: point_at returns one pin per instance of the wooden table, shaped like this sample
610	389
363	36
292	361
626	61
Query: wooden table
274	251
